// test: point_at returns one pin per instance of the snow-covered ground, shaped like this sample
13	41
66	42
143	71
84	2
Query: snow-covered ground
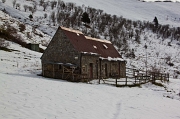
24	95
29	34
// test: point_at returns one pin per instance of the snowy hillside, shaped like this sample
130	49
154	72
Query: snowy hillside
162	51
166	12
25	95
23	32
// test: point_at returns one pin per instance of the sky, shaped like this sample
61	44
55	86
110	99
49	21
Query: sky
163	0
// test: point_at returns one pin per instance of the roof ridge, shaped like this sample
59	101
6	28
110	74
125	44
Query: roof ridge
71	30
96	39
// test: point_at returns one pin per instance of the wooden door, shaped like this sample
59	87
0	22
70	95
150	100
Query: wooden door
91	70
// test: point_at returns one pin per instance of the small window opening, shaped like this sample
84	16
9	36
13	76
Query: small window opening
94	46
60	66
105	46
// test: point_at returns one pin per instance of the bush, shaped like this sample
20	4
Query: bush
3	44
22	27
30	16
170	64
11	34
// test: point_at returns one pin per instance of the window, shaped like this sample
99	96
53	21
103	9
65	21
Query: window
95	47
84	68
105	46
60	66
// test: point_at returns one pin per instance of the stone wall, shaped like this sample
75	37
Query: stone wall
60	50
52	70
109	68
88	60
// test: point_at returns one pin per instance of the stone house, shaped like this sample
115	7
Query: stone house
72	53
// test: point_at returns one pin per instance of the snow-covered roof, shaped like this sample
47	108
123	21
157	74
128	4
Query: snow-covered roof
72	30
112	59
96	39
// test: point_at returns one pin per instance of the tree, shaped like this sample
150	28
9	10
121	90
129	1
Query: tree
41	2
25	7
45	4
3	1
156	21
85	18
22	27
53	4
45	15
14	2
18	6
31	16
53	17
32	9
34	6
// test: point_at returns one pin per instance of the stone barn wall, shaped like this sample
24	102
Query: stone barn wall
60	49
86	62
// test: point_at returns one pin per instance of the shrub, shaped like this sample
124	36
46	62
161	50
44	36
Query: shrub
22	27
11	34
170	64
30	16
3	44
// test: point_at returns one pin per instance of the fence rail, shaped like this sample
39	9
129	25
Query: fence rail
136	77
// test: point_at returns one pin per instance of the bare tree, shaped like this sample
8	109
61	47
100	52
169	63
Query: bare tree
18	6
52	4
41	2
34	6
45	15
25	7
14	3
32	9
3	1
53	17
45	4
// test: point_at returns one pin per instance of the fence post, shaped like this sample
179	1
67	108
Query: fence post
168	76
126	81
99	79
116	82
154	80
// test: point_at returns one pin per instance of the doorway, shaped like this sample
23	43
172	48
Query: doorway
91	70
106	71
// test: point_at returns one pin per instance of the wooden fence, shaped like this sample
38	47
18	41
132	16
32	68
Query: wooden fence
136	77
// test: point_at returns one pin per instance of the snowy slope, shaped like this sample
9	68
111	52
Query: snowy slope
136	10
158	49
158	52
166	12
25	95
28	35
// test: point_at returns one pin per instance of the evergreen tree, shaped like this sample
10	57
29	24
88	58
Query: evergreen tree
85	18
156	21
31	17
